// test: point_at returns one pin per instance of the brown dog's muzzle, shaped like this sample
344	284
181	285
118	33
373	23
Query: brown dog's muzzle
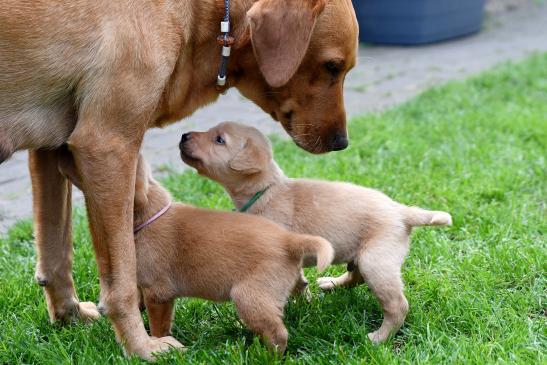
318	138
339	142
316	123
336	142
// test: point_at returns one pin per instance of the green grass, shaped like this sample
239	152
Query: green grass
477	290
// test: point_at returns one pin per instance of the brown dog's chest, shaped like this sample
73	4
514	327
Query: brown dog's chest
191	85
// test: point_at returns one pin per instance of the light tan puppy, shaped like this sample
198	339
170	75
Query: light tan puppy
192	252
368	230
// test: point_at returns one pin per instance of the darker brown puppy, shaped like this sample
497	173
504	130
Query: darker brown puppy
192	252
98	74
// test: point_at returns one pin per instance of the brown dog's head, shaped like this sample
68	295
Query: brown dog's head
227	153
301	52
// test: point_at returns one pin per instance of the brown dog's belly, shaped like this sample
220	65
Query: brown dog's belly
41	64
34	128
55	58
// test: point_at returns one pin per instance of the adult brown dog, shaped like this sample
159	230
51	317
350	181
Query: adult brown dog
97	74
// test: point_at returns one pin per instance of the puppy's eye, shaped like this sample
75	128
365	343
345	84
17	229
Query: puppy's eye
333	68
219	140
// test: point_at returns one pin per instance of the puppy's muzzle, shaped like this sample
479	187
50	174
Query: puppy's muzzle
183	139
185	148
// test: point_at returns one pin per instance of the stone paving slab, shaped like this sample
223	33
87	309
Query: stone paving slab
384	77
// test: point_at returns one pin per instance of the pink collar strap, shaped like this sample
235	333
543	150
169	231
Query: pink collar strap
152	218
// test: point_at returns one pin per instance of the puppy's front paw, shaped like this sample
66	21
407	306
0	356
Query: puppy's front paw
88	311
327	283
72	311
377	337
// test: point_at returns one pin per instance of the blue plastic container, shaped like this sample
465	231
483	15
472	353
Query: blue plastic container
417	21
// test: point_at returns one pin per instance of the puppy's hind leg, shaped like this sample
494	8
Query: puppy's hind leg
262	315
160	317
380	264
302	287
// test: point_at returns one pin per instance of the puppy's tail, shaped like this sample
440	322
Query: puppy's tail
414	216
303	245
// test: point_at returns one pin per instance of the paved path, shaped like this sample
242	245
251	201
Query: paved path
385	76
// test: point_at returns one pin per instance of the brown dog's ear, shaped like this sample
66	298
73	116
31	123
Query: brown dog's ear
280	35
249	160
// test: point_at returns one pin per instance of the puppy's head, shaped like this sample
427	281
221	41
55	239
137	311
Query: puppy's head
228	153
301	52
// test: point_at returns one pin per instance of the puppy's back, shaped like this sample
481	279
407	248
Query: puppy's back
330	209
210	251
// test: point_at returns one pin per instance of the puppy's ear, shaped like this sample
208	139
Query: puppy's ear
141	183
249	160
280	35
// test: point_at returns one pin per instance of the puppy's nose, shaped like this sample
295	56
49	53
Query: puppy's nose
185	137
339	142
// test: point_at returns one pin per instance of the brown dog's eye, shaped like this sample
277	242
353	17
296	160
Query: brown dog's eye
220	140
333	68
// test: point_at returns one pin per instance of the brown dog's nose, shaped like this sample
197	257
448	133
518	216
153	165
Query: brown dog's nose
339	142
185	137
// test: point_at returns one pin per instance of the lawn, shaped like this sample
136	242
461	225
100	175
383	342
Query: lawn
476	290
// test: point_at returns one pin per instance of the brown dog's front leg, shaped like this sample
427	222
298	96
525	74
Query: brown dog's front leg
106	159
52	229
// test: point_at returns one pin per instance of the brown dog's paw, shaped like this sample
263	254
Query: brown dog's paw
155	346
88	311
